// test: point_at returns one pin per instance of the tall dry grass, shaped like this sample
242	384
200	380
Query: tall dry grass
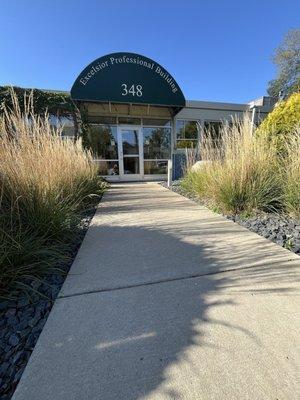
45	184
291	182
240	174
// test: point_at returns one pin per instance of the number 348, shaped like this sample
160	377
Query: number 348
134	90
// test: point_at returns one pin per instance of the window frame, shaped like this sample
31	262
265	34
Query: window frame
169	126
187	120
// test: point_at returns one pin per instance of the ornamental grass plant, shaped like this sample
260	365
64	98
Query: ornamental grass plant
46	182
291	183
239	174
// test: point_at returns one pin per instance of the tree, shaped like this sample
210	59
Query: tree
287	60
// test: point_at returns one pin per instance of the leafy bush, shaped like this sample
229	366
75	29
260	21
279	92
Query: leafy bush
282	121
241	174
45	184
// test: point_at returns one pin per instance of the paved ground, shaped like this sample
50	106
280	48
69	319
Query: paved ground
167	300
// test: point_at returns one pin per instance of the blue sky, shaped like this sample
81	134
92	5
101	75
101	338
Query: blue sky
216	50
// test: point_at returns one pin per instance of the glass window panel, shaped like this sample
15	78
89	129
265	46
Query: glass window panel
187	134
180	129
186	144
131	165
64	124
157	167
191	130
212	130
186	129
130	140
68	131
157	143
102	120
102	141
129	120
156	122
108	167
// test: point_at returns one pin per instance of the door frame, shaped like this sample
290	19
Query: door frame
122	175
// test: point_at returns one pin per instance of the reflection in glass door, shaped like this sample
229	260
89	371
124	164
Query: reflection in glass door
130	153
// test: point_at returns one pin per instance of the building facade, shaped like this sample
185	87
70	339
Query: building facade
135	117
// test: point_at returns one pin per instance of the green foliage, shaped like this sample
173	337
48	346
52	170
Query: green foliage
291	165
282	121
287	60
43	101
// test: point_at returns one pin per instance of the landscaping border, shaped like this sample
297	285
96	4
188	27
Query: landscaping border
280	229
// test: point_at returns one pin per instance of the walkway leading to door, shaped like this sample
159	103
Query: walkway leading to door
167	300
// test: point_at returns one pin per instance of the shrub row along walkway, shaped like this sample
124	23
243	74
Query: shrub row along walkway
167	300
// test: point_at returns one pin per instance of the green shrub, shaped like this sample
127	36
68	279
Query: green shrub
282	121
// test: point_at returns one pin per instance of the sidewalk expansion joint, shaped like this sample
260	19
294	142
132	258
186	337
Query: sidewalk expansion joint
104	290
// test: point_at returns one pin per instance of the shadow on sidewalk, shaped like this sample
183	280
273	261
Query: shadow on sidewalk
127	343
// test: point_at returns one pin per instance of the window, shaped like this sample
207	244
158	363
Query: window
157	143
64	125
108	167
102	120
157	150
129	121
157	167
212	130
186	134
156	122
102	141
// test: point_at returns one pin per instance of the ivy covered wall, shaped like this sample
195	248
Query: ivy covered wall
55	103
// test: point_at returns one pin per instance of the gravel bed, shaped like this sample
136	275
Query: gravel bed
280	229
22	320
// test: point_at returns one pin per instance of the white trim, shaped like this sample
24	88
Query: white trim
122	175
134	177
140	126
116	178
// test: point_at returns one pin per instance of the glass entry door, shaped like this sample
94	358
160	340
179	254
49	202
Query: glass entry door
130	153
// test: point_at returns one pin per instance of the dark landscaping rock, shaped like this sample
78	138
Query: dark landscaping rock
18	375
22	320
12	321
296	234
25	332
3	368
17	357
13	340
23	302
30	341
10	312
280	229
21	326
4	305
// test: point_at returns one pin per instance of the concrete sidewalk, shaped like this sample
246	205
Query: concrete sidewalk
167	300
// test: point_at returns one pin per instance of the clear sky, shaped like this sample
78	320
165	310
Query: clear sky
216	50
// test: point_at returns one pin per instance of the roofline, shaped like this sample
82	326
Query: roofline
199	104
216	105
